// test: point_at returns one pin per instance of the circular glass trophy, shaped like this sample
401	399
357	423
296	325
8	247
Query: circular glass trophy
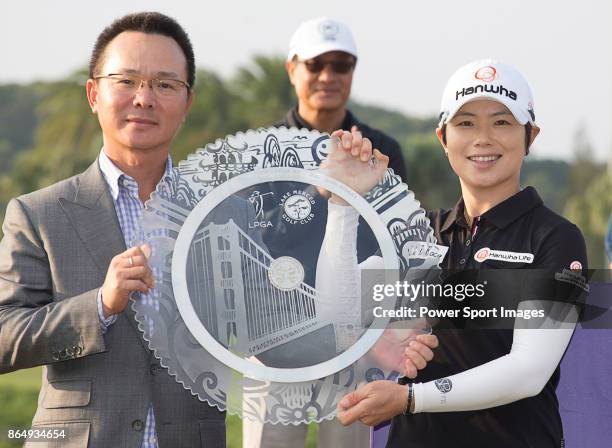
240	315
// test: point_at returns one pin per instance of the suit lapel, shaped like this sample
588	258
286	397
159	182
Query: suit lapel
93	216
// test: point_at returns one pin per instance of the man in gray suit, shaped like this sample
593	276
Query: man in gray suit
65	274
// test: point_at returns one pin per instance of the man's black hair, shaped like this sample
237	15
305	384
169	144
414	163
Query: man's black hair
149	23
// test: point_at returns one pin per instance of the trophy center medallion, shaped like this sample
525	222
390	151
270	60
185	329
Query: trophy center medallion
286	273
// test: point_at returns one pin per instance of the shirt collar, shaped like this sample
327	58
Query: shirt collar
455	216
505	213
117	179
502	215
294	119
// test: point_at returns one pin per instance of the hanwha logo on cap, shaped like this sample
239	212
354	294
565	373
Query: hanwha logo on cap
576	266
482	254
486	74
329	30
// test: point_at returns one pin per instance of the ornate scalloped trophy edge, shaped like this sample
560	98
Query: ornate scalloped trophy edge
176	195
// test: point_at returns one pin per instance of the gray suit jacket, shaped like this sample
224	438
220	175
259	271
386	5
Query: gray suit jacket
56	249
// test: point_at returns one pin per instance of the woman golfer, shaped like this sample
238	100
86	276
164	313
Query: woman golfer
481	388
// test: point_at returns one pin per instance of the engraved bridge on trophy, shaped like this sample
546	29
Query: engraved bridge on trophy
235	299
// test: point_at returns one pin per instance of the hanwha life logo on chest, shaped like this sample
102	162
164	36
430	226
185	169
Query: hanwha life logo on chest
297	207
486	74
487	253
482	254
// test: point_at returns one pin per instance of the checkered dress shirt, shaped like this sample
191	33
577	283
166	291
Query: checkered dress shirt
129	208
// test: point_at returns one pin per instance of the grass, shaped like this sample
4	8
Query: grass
18	396
19	393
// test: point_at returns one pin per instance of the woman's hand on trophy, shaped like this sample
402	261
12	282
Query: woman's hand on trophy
403	350
373	403
353	162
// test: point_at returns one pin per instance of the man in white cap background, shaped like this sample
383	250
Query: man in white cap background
320	64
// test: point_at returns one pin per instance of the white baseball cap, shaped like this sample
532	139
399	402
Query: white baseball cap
488	79
321	35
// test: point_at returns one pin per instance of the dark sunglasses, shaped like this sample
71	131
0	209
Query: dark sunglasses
317	66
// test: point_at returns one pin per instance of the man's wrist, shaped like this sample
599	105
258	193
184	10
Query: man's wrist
409	402
106	311
105	319
402	395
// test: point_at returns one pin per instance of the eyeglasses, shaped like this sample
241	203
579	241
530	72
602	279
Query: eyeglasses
317	65
130	84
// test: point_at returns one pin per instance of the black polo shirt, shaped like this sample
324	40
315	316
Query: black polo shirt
519	233
384	143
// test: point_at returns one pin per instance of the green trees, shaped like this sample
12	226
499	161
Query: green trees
48	133
590	211
17	121
263	91
587	201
